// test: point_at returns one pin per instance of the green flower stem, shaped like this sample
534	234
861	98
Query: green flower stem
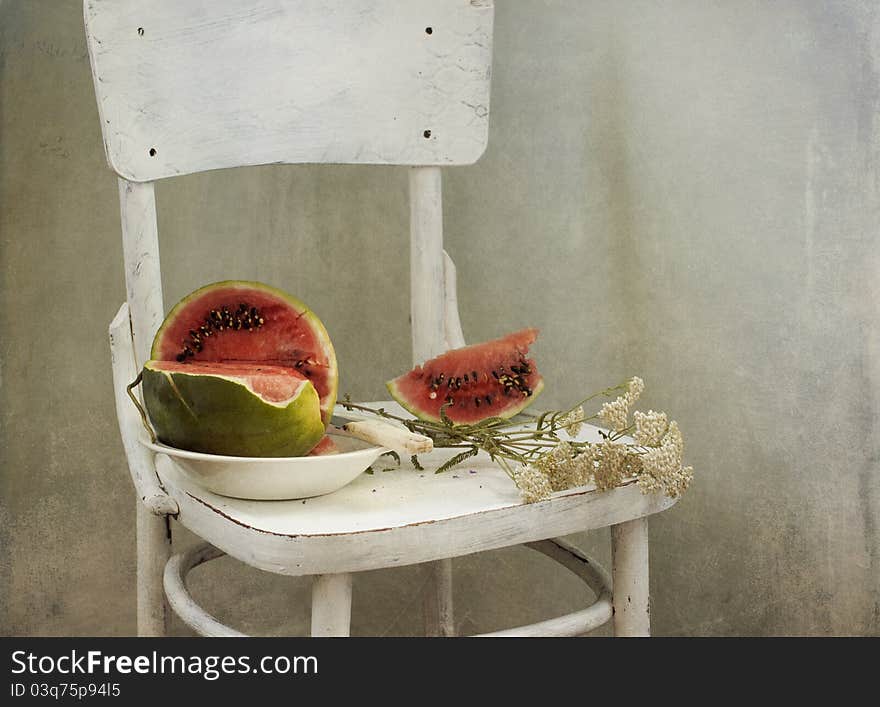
505	441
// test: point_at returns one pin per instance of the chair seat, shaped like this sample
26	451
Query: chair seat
398	516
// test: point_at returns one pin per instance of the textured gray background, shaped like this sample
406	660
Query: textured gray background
683	190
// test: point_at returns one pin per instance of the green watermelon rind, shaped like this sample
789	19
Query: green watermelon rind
507	413
216	414
306	313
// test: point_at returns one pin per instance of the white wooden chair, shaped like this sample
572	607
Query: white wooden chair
187	87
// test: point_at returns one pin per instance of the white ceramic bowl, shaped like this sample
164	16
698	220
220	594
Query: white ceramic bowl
275	478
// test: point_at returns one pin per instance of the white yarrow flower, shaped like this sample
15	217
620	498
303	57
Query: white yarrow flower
650	427
661	465
614	414
533	485
573	421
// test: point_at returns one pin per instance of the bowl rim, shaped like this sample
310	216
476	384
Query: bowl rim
202	456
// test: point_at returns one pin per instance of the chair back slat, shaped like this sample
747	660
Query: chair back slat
190	86
140	249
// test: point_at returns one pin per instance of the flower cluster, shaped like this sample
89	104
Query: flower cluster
616	413
662	469
650	427
563	467
572	421
533	485
653	457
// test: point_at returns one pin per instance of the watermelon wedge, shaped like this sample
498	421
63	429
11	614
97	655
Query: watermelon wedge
249	410
492	379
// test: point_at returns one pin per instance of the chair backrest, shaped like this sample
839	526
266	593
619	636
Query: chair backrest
188	86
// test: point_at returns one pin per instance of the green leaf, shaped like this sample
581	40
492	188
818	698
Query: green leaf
457	459
415	462
394	455
488	422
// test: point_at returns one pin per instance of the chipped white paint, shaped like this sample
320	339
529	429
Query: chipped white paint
326	535
153	538
397	517
629	568
179	598
331	605
437	601
140	249
331	596
153	551
140	460
407	517
427	296
140	246
452	320
186	87
432	323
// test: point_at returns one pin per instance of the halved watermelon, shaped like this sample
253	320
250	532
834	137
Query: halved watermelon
244	322
492	379
250	410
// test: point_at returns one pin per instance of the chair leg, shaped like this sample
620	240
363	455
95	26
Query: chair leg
629	570
153	551
439	619
331	605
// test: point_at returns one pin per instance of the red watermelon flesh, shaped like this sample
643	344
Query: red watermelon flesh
241	322
492	379
324	447
272	383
